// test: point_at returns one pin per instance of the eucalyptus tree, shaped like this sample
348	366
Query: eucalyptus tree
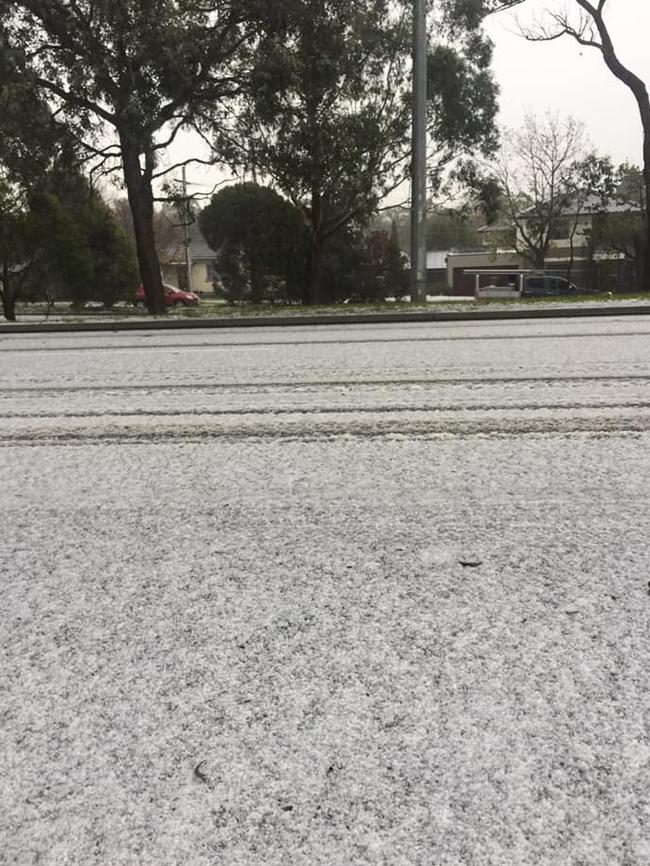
126	76
326	116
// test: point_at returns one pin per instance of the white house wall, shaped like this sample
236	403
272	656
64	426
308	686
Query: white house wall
200	280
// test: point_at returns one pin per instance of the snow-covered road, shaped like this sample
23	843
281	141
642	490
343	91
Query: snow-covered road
431	379
236	628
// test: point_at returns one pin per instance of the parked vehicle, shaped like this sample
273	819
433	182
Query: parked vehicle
173	297
522	284
545	286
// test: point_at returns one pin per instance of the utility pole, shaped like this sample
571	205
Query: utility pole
186	233
419	155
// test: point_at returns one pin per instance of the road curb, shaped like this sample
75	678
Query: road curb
331	319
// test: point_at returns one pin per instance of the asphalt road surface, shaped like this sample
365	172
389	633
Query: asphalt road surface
343	595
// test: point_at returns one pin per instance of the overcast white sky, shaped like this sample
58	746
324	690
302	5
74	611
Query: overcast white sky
562	76
558	76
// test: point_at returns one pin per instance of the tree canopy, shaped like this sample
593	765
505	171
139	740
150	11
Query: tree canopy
54	229
313	95
257	234
138	71
327	115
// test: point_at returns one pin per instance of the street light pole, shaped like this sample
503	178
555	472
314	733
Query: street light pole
419	157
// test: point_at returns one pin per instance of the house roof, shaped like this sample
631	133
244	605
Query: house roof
201	249
502	227
591	204
587	206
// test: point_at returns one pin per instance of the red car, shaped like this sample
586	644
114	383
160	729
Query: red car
173	297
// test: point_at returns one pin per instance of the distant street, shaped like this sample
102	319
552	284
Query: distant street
326	596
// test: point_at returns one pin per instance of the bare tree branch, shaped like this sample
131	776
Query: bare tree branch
74	99
591	30
194	160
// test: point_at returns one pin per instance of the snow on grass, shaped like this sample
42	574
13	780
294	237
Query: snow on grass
264	652
214	309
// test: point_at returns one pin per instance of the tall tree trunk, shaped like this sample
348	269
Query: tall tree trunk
8	296
312	290
140	196
640	93
311	293
9	306
646	213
